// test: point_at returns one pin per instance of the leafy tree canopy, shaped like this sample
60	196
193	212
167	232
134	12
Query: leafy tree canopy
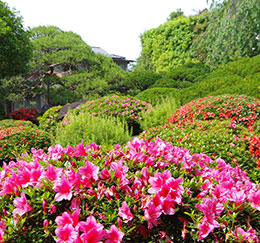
233	32
169	45
15	45
66	69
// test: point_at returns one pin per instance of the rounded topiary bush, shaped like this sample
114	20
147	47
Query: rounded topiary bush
155	95
17	140
49	120
166	82
142	192
125	108
6	123
105	131
218	139
239	109
141	80
191	72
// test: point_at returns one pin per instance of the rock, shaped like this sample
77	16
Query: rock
64	110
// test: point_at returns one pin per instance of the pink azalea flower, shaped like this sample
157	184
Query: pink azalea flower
254	198
249	235
113	235
64	219
205	228
125	213
90	224
56	152
52	173
152	214
92	236
66	234
21	204
119	168
168	206
89	171
63	189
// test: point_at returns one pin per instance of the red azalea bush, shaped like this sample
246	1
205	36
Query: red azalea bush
128	108
24	114
142	192
255	149
17	140
239	109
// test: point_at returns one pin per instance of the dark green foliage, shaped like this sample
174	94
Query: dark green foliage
191	72
15	45
141	80
166	82
154	95
241	77
65	69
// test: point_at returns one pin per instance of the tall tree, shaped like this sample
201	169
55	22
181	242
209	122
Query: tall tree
15	45
233	32
168	45
65	69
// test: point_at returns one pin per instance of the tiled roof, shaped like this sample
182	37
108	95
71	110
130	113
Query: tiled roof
101	51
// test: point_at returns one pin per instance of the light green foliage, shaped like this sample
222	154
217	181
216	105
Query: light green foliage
241	77
15	123
152	95
106	131
49	120
233	32
159	114
168	45
15	46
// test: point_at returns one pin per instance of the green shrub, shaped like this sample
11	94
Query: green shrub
166	82
141	80
15	123
191	72
17	140
49	120
159	113
241	77
214	138
105	131
154	94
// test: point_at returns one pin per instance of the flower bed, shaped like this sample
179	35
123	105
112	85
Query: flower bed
24	114
18	140
239	109
141	192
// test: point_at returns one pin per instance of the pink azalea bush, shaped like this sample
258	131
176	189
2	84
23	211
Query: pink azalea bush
128	108
141	192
